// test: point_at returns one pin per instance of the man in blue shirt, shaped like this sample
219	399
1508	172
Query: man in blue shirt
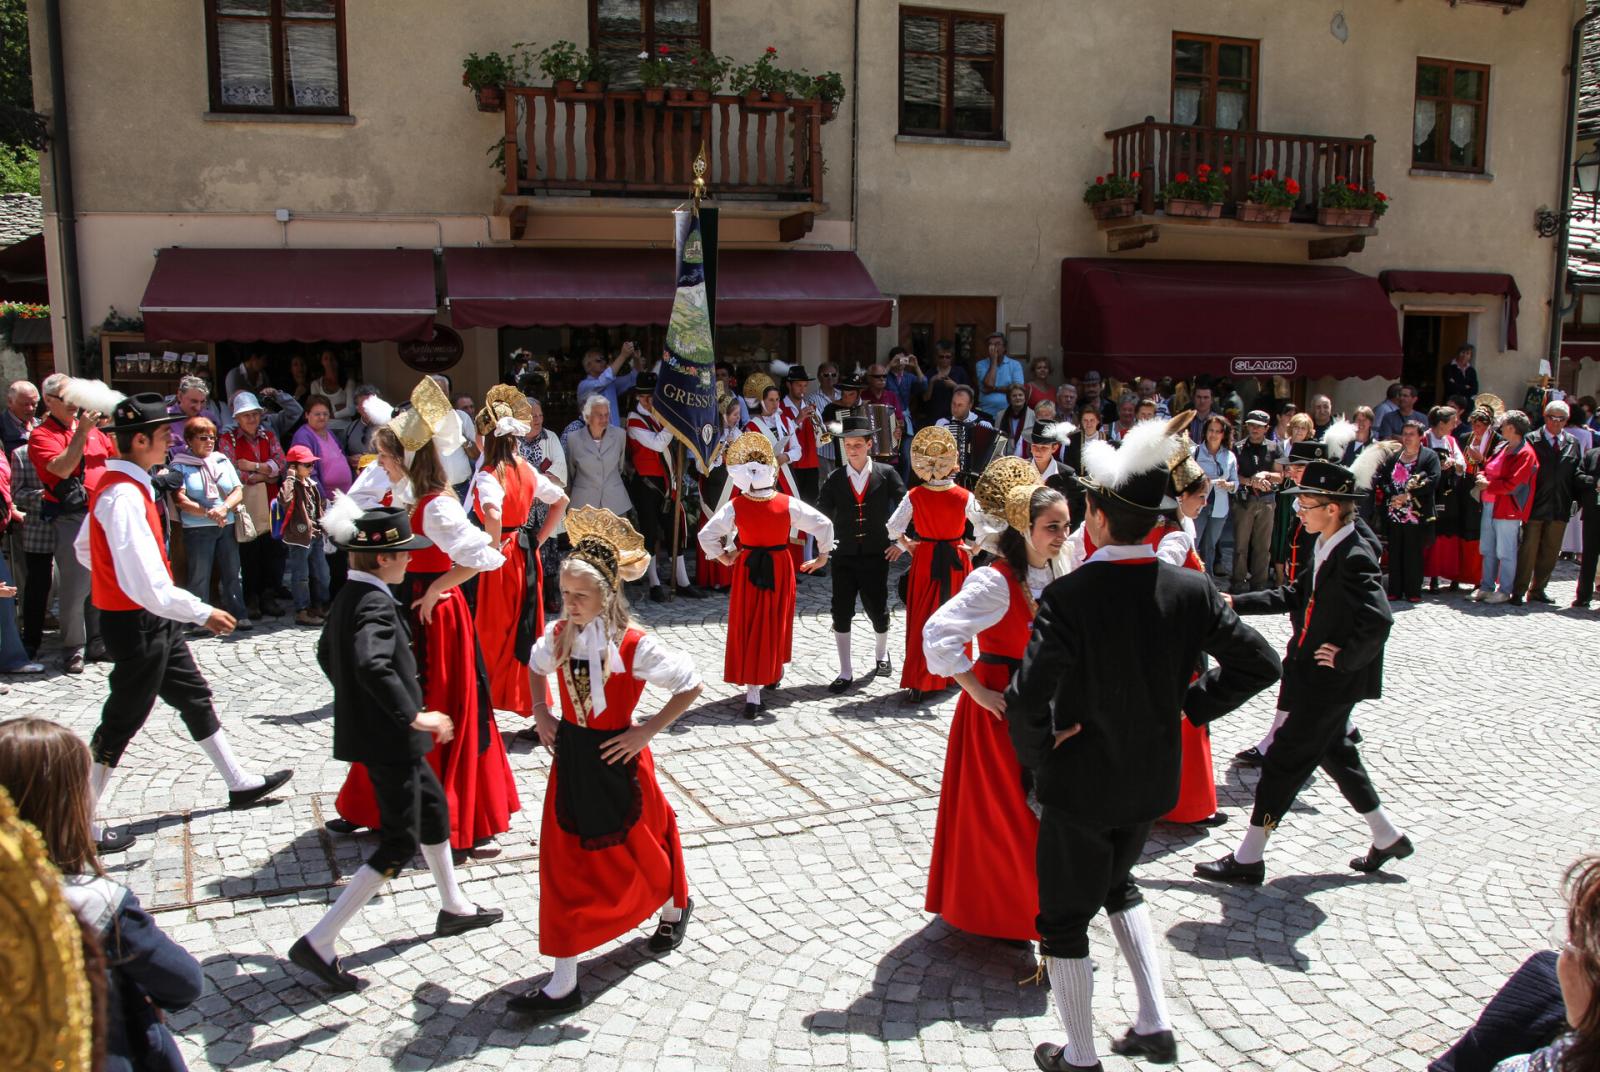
995	373
608	379
906	381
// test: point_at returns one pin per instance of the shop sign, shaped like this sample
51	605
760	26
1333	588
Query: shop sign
1263	366
441	352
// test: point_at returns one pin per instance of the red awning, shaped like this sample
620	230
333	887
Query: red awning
1395	280
290	295
1578	349
1130	318
519	287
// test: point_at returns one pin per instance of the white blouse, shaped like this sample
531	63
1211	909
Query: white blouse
444	521
653	663
371	485
983	600
900	520
343	403
720	534
487	489
1176	545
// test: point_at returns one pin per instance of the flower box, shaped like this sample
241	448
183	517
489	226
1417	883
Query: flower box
678	93
700	96
655	94
1344	217
1253	212
1199	209
566	87
491	99
759	102
1113	209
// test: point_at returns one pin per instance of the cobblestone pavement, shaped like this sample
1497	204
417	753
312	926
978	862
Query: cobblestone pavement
806	836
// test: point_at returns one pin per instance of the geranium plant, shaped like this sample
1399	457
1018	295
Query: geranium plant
762	76
703	71
1273	190
561	62
478	72
1342	193
1207	185
830	86
655	71
1111	187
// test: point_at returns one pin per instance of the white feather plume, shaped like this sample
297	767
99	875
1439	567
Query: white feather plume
1340	434
1060	431
339	519
779	369
92	395
1147	446
835	428
376	410
1369	461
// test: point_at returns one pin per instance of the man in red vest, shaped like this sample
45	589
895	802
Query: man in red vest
142	614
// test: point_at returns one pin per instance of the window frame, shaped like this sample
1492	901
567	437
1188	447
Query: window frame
1252	114
948	56
277	23
1480	143
647	15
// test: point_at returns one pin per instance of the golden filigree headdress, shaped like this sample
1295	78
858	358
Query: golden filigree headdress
751	447
430	414
608	543
1005	491
506	411
933	453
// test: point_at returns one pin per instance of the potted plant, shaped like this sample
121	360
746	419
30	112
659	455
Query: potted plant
1343	203
1270	198
762	83
1200	194
487	77
1111	196
704	73
593	71
830	91
562	63
654	72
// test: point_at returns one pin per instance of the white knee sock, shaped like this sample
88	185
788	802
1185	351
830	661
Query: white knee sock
842	642
443	867
752	694
1072	983
680	572
99	778
364	885
671	913
651	575
880	646
563	977
222	757
1272	731
1138	945
1384	832
1253	847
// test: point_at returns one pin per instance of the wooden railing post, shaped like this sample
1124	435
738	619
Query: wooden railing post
1367	145
814	129
1147	167
509	154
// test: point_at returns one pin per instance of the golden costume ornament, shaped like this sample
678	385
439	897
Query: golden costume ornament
933	453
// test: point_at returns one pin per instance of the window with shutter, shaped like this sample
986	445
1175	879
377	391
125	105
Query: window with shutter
284	56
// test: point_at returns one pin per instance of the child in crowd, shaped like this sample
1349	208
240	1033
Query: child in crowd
301	500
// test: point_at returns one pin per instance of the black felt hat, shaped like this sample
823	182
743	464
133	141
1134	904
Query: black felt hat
796	374
383	528
852	424
140	413
1328	481
1307	451
849	383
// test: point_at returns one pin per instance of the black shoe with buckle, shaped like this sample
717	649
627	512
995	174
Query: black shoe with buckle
114	841
669	936
882	668
840	684
1376	857
1250	757
1053	1058
302	956
452	923
541	1006
752	710
657	595
1229	869
246	797
1158	1047
341	826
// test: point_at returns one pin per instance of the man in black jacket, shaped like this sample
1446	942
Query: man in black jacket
1589	500
858	498
1333	662
1554	490
378	721
1094	714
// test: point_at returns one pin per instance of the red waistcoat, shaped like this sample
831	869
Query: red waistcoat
104	588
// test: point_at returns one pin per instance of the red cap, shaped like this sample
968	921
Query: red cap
301	454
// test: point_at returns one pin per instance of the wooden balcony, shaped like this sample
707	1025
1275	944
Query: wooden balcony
613	144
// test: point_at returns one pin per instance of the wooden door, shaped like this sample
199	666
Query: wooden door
964	321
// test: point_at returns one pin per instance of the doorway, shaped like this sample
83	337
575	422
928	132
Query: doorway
1429	341
965	321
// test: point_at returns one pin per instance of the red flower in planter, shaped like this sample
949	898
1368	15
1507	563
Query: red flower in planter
1290	186
1134	175
1204	170
1099	180
662	49
1340	178
1182	176
1269	174
1381	196
771	50
1226	170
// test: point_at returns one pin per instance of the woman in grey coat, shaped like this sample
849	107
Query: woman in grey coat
594	459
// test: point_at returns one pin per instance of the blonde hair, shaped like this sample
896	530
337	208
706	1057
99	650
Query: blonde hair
1302	422
614	612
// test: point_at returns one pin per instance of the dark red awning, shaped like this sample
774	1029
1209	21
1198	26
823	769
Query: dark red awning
519	287
1397	280
1130	318
290	295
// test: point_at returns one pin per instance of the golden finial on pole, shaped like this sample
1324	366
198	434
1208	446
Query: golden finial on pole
700	168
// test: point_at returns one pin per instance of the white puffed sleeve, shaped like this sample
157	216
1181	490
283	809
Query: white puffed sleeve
808	519
975	512
981	602
542	660
1175	547
900	520
487	489
658	665
445	523
714	533
547	491
370	486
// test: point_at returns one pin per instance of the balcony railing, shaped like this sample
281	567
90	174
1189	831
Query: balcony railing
617	144
1158	151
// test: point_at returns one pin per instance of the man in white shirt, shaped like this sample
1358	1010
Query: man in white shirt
142	613
965	425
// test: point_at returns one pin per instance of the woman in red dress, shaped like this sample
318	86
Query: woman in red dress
473	767
983	877
939	510
609	852
510	613
761	608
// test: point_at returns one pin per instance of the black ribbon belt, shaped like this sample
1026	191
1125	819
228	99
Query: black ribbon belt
528	613
999	660
758	564
944	564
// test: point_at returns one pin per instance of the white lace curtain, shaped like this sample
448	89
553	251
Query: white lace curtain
1231	107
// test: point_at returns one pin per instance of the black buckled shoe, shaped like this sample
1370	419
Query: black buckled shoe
1052	1058
541	1006
752	710
912	697
669	936
111	842
841	684
1376	857
882	668
1158	1047
1250	757
246	797
341	826
450	923
1229	869
657	595
335	978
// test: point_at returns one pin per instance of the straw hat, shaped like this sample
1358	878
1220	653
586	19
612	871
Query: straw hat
933	453
608	543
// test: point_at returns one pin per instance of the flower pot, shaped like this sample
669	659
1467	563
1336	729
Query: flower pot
565	87
778	96
700	95
593	85
491	99
754	97
1200	209
1251	212
677	93
829	109
1112	209
654	94
1344	217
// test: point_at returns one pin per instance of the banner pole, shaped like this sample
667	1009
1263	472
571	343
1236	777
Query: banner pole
677	475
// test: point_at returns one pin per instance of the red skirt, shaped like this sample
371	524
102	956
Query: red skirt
760	624
1197	792
477	781
922	599
984	874
1453	559
503	596
588	897
708	572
